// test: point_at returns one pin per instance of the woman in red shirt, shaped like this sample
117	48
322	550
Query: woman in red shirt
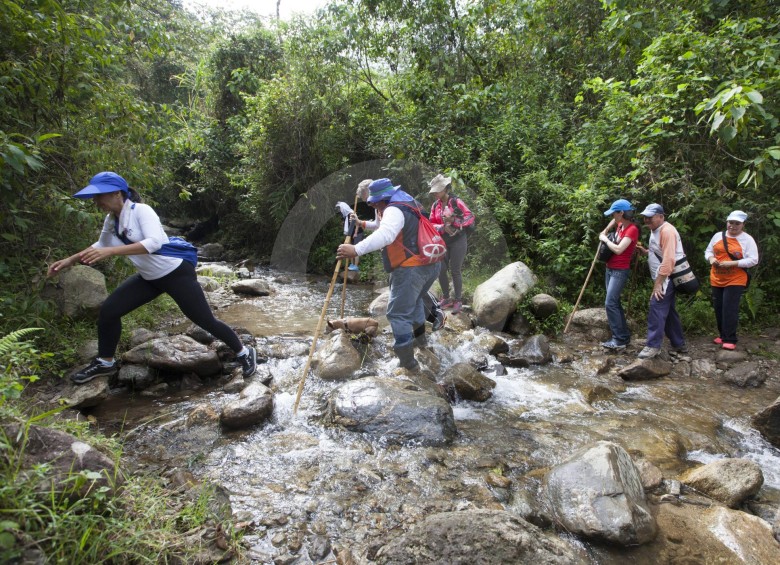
619	269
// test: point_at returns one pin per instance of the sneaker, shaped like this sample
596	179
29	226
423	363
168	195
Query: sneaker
613	345
248	362
729	346
457	306
445	302
681	350
441	318
649	352
717	341
353	267
95	369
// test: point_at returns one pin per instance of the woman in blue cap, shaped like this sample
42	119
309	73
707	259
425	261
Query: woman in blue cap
133	229
619	269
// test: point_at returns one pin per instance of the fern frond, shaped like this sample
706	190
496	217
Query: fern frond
8	341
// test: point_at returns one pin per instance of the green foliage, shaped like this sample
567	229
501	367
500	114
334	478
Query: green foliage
550	326
20	362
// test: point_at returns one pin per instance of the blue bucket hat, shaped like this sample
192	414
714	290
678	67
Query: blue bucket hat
381	189
103	183
621	205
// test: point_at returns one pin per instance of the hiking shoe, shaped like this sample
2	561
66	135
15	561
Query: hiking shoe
95	369
680	350
613	345
729	346
438	323
248	362
649	352
445	302
717	341
457	306
353	267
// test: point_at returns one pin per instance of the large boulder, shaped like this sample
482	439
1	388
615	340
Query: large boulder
252	287
338	359
590	321
496	299
176	354
79	292
598	494
63	456
397	411
486	537
729	481
767	422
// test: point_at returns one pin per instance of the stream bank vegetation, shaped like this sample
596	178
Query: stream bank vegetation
547	110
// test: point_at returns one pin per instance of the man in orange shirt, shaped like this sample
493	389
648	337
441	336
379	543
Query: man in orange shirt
664	249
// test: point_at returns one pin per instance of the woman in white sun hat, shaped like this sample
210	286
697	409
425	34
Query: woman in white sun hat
730	252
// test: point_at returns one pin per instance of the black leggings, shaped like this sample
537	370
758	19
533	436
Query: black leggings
181	285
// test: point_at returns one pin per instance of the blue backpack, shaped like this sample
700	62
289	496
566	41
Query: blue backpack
176	247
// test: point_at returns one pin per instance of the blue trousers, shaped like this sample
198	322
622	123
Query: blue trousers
662	318
615	280
405	308
725	301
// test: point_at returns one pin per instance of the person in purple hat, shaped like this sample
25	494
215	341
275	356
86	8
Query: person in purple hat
133	229
410	281
663	251
619	269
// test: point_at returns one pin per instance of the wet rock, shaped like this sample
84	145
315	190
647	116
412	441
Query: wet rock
704	369
254	404
644	369
776	526
543	306
598	494
78	293
215	270
201	415
200	335
65	456
476	536
468	383
491	343
518	325
767	422
236	383
496	299
651	476
395	410
252	287
598	393
177	354
459	322
745	374
727	357
137	377
429	360
378	306
85	395
211	251
208	284
729	481
318	548
536	350
338	359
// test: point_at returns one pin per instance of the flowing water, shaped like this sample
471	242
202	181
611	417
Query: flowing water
306	485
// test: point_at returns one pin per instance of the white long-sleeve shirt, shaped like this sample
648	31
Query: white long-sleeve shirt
140	224
391	225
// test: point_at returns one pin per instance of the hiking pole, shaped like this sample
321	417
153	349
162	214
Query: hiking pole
346	261
317	331
587	279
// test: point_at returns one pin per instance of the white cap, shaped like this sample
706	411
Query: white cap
737	215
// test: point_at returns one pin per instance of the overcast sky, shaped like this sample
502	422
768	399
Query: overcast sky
265	7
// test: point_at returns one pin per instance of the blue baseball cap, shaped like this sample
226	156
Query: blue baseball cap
621	205
652	210
103	183
381	189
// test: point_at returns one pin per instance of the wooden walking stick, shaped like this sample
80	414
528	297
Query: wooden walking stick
319	329
346	261
587	279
